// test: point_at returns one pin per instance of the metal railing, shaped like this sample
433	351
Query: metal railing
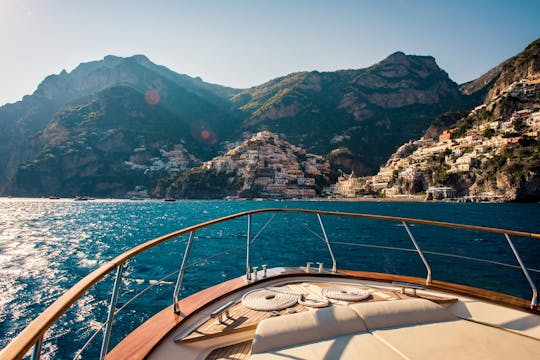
33	334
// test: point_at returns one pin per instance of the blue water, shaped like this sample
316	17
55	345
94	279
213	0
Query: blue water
46	246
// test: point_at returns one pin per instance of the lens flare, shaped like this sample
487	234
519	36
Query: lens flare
152	97
205	134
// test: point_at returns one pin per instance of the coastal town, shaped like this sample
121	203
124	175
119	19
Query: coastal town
267	166
455	152
449	166
271	167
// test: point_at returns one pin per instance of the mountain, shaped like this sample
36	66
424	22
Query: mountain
394	100
126	125
525	65
22	124
106	147
483	84
491	152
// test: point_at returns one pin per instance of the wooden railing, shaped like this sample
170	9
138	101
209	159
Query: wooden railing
33	334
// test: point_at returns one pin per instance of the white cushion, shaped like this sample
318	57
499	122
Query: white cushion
345	347
458	339
307	326
381	314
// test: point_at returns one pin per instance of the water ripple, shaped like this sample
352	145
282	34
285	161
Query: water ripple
46	246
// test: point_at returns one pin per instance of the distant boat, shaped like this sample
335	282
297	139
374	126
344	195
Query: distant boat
53	197
80	198
169	199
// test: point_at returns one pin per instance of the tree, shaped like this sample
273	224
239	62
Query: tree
488	133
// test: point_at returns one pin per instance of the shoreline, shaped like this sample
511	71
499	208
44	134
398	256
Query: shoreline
356	199
395	199
369	199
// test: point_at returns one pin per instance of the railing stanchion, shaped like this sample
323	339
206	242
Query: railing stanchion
31	338
334	265
426	264
178	285
534	300
112	308
248	245
36	353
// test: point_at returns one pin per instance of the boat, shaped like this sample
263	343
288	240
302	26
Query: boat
313	311
169	199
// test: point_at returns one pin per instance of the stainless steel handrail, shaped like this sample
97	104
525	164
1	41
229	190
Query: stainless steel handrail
433	253
534	300
112	308
248	247
181	273
33	334
334	264
89	341
36	352
426	264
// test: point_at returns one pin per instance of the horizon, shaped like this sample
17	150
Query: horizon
242	43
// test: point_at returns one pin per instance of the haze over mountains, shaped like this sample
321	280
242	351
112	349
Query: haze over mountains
124	125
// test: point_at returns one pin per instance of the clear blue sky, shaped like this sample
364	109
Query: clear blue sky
242	43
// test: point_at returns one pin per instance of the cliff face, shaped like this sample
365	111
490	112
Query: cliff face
492	152
368	111
526	65
411	79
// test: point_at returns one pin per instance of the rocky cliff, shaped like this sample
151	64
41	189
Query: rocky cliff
490	153
525	65
394	100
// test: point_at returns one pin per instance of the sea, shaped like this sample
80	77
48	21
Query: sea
47	246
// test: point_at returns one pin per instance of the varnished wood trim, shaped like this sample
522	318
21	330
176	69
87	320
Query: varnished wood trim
143	339
414	221
37	328
28	337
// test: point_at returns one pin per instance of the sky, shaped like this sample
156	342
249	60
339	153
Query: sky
244	43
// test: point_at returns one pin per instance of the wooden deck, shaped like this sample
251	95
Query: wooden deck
233	352
139	343
242	318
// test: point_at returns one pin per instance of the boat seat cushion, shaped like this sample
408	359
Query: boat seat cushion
382	314
308	326
412	328
458	339
345	347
